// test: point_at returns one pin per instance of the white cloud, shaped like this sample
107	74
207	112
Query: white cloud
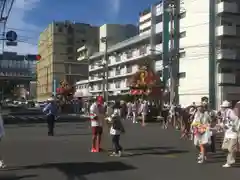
114	7
27	33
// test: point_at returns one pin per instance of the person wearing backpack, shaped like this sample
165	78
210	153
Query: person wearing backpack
116	130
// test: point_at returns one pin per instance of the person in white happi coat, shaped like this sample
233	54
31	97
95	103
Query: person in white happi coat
144	112
230	124
201	131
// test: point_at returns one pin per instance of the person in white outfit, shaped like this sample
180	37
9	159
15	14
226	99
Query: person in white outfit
231	126
201	131
2	133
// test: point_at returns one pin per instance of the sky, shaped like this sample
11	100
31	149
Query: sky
29	17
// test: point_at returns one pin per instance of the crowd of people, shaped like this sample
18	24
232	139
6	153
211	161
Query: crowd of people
198	123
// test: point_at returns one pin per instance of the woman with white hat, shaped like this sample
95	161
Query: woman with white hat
201	131
231	126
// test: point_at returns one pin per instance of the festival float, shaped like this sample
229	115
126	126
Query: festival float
146	83
65	93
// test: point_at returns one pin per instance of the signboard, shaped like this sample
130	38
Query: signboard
11	36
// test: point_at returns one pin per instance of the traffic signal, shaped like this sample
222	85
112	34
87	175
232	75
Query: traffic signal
38	57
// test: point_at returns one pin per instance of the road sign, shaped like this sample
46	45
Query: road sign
11	43
11	36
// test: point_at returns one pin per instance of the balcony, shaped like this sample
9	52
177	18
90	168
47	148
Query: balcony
230	7
226	30
82	57
226	54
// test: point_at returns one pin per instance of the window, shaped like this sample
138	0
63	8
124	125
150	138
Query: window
118	71
145	29
182	75
182	34
70	41
60	29
129	54
70	58
226	70
142	50
117	84
69	50
159	19
70	30
182	15
92	66
129	69
182	54
99	86
117	58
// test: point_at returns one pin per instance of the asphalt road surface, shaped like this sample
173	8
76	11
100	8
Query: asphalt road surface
150	153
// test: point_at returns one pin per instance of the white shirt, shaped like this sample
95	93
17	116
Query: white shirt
94	109
230	120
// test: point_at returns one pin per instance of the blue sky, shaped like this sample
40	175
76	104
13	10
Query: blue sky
30	17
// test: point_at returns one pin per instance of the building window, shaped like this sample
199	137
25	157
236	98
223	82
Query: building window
99	86
226	70
182	15
145	29
70	58
118	71
117	84
129	69
182	54
129	54
69	50
117	58
92	66
159	19
143	50
182	34
60	29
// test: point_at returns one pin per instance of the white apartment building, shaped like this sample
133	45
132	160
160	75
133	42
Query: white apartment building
210	57
82	89
209	41
124	57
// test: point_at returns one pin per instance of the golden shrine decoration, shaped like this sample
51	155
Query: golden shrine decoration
144	78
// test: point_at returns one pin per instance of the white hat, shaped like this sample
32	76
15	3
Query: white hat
225	104
50	99
198	104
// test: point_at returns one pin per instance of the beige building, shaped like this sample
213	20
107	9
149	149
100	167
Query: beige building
58	45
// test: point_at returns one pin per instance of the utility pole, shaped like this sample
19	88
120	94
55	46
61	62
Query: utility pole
173	58
105	69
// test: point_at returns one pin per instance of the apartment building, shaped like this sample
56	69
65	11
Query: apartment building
58	45
16	70
210	58
82	89
124	57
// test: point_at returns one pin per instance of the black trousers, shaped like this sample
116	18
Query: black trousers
51	124
116	143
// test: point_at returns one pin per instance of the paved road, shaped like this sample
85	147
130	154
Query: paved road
150	153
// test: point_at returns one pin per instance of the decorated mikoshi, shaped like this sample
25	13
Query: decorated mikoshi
145	82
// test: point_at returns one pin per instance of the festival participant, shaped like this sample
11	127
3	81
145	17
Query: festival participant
97	112
231	126
201	131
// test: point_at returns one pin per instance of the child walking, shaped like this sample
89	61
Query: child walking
116	130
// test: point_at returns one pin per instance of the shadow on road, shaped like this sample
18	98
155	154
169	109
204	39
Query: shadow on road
78	170
154	151
13	177
73	134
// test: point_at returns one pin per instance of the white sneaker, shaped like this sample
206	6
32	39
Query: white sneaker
226	165
119	153
200	161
